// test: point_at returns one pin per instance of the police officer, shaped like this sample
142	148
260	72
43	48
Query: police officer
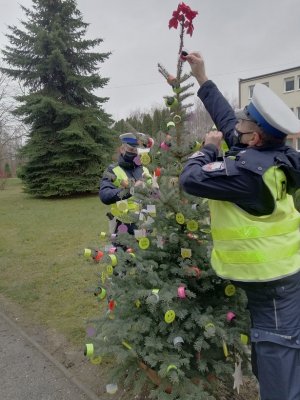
120	179
254	223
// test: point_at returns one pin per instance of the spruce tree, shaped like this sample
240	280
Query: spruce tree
69	138
168	322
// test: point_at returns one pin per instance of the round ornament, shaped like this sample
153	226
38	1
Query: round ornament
99	254
109	270
177	119
170	316
192	225
210	328
144	243
122	228
89	349
230	316
112	388
196	146
230	290
174	238
186	253
180	218
181	292
170	125
90	331
96	360
100	293
113	259
178	341
244	338
170	367
87	253
164	146
157	172
137	303
122	205
145	158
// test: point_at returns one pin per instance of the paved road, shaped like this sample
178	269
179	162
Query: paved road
28	372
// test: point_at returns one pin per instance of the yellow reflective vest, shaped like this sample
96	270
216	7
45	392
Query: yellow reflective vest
123	208
257	248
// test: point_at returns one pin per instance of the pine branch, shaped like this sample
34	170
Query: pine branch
162	70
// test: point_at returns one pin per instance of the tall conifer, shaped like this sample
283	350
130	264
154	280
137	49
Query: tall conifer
69	137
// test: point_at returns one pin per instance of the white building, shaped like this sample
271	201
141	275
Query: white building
285	83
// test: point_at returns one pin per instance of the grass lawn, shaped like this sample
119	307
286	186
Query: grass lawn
41	262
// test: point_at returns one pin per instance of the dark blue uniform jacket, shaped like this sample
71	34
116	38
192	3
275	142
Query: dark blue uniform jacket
238	178
108	192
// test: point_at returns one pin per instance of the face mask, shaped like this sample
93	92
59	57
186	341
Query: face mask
129	157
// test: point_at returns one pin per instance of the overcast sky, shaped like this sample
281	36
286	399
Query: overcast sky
237	38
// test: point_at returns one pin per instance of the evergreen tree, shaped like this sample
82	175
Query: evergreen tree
170	324
69	138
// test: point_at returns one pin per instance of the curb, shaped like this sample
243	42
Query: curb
89	393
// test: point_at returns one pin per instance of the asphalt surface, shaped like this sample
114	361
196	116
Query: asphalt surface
28	372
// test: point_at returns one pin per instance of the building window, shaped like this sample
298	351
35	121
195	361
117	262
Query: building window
289	142
289	84
298	82
251	87
298	144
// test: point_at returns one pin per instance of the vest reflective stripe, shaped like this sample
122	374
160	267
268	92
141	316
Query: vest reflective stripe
256	256
251	248
255	231
122	176
121	208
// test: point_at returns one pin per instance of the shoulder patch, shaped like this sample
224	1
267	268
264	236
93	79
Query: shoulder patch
197	154
214	166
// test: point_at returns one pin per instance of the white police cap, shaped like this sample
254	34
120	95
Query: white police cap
270	113
129	138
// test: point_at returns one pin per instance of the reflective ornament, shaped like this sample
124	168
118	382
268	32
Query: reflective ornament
192	225
96	360
145	158
170	367
177	119
178	341
144	243
89	350
181	292
230	316
186	253
112	388
170	316
230	290
244	338
180	218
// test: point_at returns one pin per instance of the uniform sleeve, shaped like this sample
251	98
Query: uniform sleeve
108	192
219	180
220	111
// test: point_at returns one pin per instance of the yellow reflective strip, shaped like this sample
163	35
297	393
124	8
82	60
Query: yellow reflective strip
257	256
120	176
245	232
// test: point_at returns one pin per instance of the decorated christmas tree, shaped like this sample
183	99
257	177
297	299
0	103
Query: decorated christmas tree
168	322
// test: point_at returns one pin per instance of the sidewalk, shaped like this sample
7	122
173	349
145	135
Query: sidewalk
28	372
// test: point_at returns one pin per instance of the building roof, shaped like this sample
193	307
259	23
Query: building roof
283	71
